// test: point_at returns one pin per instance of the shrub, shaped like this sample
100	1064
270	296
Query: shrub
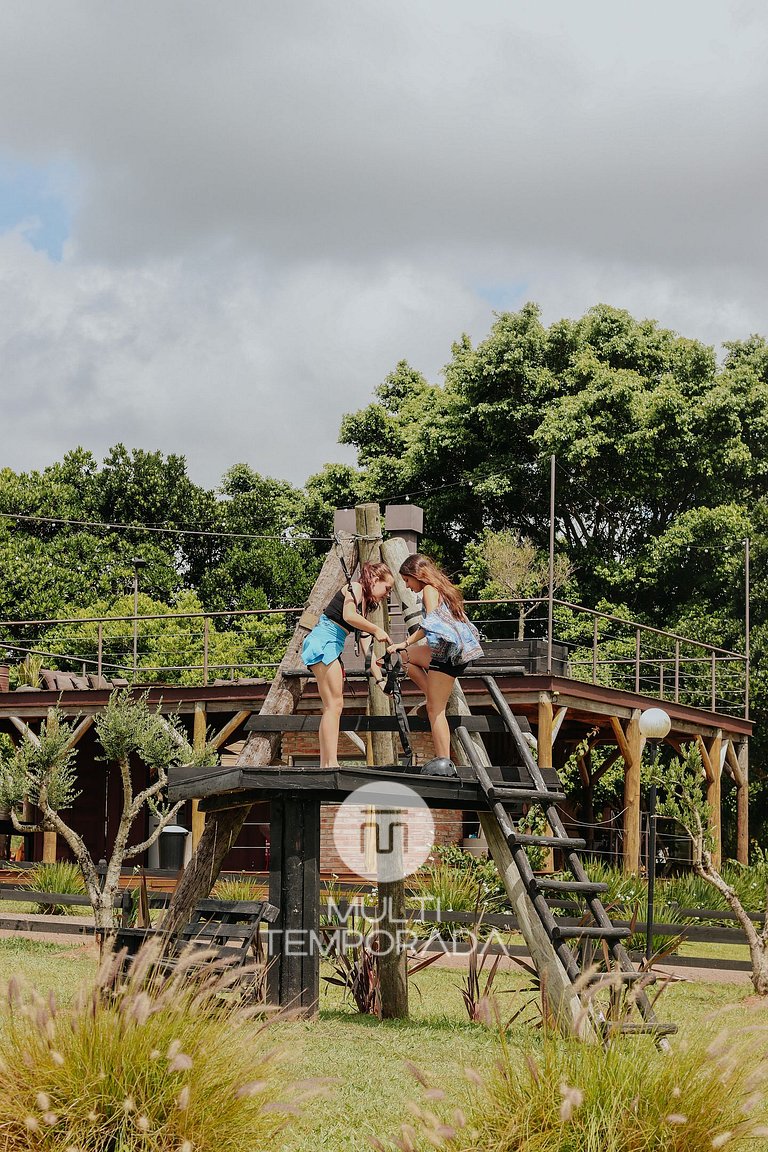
583	1098
442	887
149	1064
239	889
63	877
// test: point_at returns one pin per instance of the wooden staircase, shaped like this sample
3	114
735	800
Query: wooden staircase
575	945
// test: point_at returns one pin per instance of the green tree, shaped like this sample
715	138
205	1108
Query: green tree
43	772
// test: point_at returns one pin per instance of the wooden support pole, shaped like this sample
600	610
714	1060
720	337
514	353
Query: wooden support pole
393	962
630	745
223	828
714	797
199	733
50	839
294	888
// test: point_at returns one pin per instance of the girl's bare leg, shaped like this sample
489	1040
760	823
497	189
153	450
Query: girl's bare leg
417	665
439	688
330	683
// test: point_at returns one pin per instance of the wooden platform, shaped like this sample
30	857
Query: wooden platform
232	786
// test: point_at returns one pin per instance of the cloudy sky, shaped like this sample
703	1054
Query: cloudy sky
222	224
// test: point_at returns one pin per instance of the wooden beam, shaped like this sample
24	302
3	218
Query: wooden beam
733	762
621	740
545	741
85	724
230	728
609	762
709	771
557	723
25	730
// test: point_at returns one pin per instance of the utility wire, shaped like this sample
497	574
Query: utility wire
290	536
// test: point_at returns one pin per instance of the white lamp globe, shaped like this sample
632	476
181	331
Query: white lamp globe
654	724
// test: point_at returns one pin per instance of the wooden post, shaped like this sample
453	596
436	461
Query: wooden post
630	746
393	966
714	795
222	828
294	888
742	803
50	839
199	734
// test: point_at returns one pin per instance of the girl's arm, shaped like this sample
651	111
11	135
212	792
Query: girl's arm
430	599
357	621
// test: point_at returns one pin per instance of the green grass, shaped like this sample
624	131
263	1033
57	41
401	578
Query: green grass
367	1058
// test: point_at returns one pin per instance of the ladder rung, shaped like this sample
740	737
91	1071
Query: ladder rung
584	886
550	841
591	932
527	794
620	977
646	1028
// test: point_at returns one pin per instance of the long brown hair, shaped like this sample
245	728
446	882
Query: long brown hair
420	567
369	574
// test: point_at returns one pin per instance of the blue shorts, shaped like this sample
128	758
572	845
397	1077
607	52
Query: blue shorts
324	644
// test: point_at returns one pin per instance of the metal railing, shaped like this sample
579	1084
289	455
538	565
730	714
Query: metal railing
600	648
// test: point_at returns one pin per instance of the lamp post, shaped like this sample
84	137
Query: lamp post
137	562
654	726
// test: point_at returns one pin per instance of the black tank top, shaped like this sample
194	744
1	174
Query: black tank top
335	610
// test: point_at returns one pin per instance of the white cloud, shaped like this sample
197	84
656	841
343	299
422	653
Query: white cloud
275	203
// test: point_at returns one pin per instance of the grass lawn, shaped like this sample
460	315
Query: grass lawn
366	1058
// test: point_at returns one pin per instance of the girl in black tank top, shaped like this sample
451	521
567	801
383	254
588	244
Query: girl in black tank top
321	650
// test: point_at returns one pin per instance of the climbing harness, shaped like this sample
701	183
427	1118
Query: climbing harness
394	674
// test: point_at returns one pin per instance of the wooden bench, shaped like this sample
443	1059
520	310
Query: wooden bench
228	931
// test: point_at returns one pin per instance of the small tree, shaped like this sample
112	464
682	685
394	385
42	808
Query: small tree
685	802
521	570
42	770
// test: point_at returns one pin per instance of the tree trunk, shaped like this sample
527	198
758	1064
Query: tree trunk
222	828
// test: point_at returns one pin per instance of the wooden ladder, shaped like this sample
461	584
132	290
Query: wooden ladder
576	962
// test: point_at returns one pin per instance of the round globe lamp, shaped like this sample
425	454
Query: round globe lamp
654	724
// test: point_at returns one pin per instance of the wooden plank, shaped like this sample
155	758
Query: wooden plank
352	722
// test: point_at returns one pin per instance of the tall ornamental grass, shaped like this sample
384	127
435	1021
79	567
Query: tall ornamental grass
150	1063
575	1097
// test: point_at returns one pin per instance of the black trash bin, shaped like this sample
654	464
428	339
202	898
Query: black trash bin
173	839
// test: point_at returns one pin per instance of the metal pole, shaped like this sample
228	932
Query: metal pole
651	870
550	605
746	628
135	620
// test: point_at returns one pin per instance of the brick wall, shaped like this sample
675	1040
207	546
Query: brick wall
299	745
